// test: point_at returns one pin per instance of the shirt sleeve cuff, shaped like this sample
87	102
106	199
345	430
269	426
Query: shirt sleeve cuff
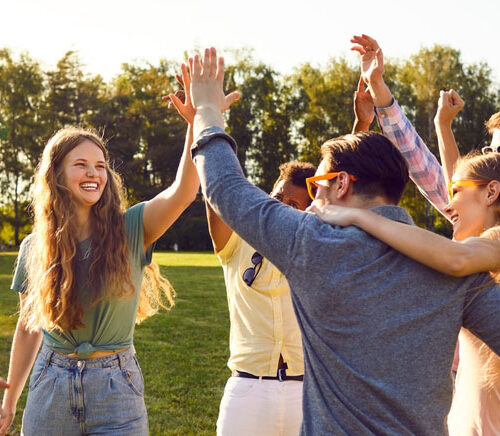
207	135
390	111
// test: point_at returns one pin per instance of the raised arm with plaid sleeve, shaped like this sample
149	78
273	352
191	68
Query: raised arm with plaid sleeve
425	170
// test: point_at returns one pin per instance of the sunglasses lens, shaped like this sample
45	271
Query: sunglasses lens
486	150
248	276
256	258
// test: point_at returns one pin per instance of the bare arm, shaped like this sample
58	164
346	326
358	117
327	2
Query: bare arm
24	349
449	105
164	209
450	257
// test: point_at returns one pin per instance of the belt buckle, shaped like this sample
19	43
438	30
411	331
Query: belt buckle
281	374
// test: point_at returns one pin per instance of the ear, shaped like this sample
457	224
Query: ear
492	192
342	185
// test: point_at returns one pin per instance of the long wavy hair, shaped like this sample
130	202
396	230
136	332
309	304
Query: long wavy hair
487	167
52	300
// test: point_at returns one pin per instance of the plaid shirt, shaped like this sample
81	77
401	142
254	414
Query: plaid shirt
425	170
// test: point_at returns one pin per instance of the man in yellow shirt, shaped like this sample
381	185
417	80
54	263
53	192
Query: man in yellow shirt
263	396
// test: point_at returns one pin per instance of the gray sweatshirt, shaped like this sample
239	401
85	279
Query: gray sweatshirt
378	329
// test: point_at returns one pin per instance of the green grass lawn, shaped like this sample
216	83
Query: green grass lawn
182	353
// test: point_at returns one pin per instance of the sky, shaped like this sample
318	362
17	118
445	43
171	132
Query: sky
283	34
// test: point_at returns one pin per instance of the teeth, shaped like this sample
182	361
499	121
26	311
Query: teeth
89	185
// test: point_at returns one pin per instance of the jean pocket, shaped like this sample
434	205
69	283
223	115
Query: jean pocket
133	376
240	387
38	373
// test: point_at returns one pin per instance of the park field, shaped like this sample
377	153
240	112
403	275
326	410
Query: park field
182	353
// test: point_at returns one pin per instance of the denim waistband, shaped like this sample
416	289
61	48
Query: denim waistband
117	359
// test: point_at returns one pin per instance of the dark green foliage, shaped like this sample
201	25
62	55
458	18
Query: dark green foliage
278	119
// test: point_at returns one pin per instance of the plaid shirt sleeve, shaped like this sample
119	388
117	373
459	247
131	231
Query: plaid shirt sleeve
425	170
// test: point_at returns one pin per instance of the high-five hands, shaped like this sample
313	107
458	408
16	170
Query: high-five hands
181	100
364	109
372	58
207	86
449	105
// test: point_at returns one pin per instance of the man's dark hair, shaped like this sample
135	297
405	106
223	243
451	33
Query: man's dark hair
373	159
296	172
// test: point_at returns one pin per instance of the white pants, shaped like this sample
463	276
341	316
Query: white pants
251	407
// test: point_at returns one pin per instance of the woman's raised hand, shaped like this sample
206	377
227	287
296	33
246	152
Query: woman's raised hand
449	105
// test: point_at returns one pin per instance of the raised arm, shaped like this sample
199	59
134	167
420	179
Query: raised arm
450	257
266	224
425	170
162	211
24	349
449	105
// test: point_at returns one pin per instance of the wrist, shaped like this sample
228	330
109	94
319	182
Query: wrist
361	126
207	116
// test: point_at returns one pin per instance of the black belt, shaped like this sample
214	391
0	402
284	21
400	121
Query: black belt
281	376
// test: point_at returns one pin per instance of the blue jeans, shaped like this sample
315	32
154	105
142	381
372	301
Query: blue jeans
68	396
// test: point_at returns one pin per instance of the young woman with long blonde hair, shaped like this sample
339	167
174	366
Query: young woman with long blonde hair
80	281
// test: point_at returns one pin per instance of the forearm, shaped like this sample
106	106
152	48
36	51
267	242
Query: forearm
266	224
24	349
437	252
380	93
164	209
448	149
424	168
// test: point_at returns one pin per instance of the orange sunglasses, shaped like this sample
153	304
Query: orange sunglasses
464	184
312	186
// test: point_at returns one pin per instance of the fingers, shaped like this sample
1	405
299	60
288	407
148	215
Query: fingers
176	102
361	85
220	71
456	99
206	63
359	49
179	79
379	58
195	67
3	384
368	43
213	62
231	98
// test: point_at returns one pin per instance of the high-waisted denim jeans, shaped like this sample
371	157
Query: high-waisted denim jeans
69	396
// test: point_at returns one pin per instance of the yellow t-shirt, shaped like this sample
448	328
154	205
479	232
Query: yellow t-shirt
263	323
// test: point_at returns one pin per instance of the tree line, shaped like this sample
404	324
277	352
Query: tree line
279	118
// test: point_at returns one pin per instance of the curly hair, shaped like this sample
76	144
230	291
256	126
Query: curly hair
52	293
295	172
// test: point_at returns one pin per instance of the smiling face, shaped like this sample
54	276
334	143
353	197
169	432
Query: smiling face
85	175
469	211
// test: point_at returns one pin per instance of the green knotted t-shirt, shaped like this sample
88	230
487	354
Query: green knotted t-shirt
109	323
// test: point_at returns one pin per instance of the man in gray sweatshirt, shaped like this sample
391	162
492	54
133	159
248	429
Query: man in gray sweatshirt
379	329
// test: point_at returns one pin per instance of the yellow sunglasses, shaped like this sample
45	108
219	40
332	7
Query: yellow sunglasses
312	186
464	184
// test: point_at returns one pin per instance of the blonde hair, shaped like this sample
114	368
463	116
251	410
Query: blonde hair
490	373
486	167
52	293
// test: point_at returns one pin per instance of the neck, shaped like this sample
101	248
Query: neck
362	202
83	223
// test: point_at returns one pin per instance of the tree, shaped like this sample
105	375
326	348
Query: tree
261	121
21	87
